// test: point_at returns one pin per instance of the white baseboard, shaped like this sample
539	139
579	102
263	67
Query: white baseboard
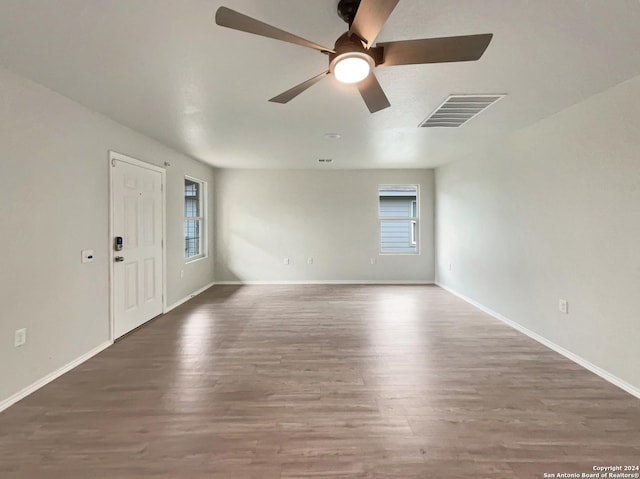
4	404
11	400
607	376
324	281
187	298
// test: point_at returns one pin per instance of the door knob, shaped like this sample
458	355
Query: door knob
119	259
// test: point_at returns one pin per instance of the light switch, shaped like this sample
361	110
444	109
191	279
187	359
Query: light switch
87	255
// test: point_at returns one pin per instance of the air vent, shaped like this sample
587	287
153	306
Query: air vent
459	109
325	160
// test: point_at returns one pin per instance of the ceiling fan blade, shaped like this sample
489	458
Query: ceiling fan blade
225	17
435	50
371	17
372	94
290	94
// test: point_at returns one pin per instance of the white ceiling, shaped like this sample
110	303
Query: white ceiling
163	68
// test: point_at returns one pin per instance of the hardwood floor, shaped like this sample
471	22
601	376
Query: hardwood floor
325	382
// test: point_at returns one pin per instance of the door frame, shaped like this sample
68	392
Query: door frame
113	156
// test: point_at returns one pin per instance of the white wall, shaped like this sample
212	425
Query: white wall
53	204
554	212
332	216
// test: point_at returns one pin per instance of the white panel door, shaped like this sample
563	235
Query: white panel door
137	270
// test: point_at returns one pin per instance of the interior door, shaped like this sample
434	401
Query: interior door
138	257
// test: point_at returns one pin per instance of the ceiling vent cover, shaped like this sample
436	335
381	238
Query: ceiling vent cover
459	109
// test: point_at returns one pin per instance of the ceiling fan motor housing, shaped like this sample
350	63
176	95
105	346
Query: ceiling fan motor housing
348	45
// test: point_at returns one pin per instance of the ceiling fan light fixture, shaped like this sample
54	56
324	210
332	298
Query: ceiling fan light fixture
352	67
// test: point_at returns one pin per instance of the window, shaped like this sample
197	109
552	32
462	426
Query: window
194	229
398	212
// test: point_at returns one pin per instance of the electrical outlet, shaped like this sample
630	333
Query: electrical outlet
286	261
450	267
373	261
20	337
563	306
182	273
310	260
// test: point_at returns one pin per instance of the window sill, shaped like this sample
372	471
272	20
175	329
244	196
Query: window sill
195	259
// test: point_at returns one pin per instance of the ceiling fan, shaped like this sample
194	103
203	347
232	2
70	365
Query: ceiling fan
354	57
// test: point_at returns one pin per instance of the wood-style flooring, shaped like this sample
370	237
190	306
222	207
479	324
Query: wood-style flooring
328	381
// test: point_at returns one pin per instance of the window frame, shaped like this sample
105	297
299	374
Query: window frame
414	224
415	220
201	219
